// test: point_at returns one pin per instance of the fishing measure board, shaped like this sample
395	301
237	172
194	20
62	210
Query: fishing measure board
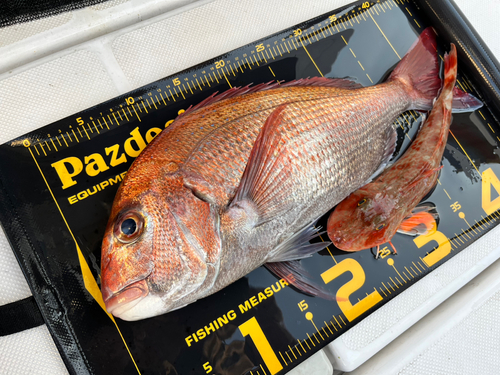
57	185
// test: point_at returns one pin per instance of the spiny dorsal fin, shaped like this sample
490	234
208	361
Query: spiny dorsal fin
346	83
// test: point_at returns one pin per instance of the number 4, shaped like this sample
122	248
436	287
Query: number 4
489	180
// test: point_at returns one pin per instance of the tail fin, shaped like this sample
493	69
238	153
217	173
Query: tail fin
419	69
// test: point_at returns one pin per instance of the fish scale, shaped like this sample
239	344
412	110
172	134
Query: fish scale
240	178
339	167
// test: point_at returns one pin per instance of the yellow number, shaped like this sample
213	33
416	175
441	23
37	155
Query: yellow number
219	64
251	327
130	100
79	121
176	81
366	5
490	179
207	367
333	18
260	47
297	32
150	94
443	249
358	279
303	305
384	252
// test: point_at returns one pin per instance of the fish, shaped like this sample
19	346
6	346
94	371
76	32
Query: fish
372	215
239	180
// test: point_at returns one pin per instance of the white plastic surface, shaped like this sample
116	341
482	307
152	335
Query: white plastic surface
318	364
458	337
376	331
54	67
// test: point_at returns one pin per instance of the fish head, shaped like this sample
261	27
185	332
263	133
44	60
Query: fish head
160	246
365	219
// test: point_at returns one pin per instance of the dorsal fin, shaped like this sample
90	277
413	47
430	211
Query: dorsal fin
346	83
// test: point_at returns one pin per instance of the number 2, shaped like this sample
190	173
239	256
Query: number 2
358	279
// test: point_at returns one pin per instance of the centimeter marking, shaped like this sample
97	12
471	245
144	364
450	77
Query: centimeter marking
135	108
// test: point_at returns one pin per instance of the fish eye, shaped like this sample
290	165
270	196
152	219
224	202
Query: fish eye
129	227
380	226
361	202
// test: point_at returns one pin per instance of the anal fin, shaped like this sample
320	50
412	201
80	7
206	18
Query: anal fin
296	275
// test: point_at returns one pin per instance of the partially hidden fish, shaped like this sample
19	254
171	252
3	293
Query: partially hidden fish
372	215
238	181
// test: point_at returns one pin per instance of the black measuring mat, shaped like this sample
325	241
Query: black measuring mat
57	185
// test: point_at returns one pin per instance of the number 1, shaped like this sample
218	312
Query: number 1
251	327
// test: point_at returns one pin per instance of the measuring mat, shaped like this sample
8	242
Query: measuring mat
57	185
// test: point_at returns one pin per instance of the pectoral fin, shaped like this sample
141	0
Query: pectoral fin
267	174
422	220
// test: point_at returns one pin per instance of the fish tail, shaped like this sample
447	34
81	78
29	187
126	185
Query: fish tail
419	71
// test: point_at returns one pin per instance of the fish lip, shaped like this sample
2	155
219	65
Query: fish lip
126	298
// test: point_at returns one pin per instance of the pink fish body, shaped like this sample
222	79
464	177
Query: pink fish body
371	215
238	181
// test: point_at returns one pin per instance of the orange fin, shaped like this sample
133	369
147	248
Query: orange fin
421	221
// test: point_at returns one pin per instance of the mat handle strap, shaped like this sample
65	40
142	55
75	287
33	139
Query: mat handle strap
19	316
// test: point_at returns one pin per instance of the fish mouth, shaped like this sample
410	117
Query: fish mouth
125	299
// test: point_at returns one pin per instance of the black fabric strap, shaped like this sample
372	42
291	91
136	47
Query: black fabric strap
17	11
19	316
